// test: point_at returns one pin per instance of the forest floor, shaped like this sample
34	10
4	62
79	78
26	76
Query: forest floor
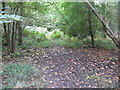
64	67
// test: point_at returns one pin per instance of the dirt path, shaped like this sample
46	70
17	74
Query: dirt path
64	67
72	68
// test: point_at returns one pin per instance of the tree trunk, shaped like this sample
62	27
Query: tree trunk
14	28
20	29
8	36
104	14
108	31
119	43
90	27
20	33
119	23
5	29
13	38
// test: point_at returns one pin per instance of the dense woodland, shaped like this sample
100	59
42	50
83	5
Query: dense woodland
60	44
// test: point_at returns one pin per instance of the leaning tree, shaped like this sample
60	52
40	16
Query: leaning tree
107	29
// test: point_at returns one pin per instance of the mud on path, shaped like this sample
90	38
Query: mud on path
74	68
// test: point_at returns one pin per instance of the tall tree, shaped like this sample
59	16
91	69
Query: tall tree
119	42
5	28
19	25
90	27
108	31
75	13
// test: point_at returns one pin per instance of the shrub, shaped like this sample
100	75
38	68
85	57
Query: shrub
26	32
104	43
56	34
72	42
43	44
34	32
36	39
39	41
35	35
23	47
101	43
87	40
40	37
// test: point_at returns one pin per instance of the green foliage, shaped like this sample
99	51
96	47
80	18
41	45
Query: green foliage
101	43
36	39
43	44
76	15
35	35
17	54
26	32
23	47
87	40
67	41
104	43
40	37
56	34
17	73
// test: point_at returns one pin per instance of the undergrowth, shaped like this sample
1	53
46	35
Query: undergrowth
102	43
71	42
74	42
36	39
19	75
56	34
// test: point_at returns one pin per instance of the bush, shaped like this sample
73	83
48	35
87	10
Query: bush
26	32
36	39
72	42
23	47
38	42
75	42
43	44
34	32
87	40
56	34
104	43
35	35
40	37
101	43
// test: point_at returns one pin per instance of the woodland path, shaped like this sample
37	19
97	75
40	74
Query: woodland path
64	67
72	68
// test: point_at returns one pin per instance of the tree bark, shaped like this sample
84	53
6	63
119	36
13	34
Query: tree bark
104	15
119	21
15	26
20	33
13	38
5	29
119	43
90	27
108	31
8	36
20	29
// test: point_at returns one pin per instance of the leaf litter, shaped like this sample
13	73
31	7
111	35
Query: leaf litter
64	67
